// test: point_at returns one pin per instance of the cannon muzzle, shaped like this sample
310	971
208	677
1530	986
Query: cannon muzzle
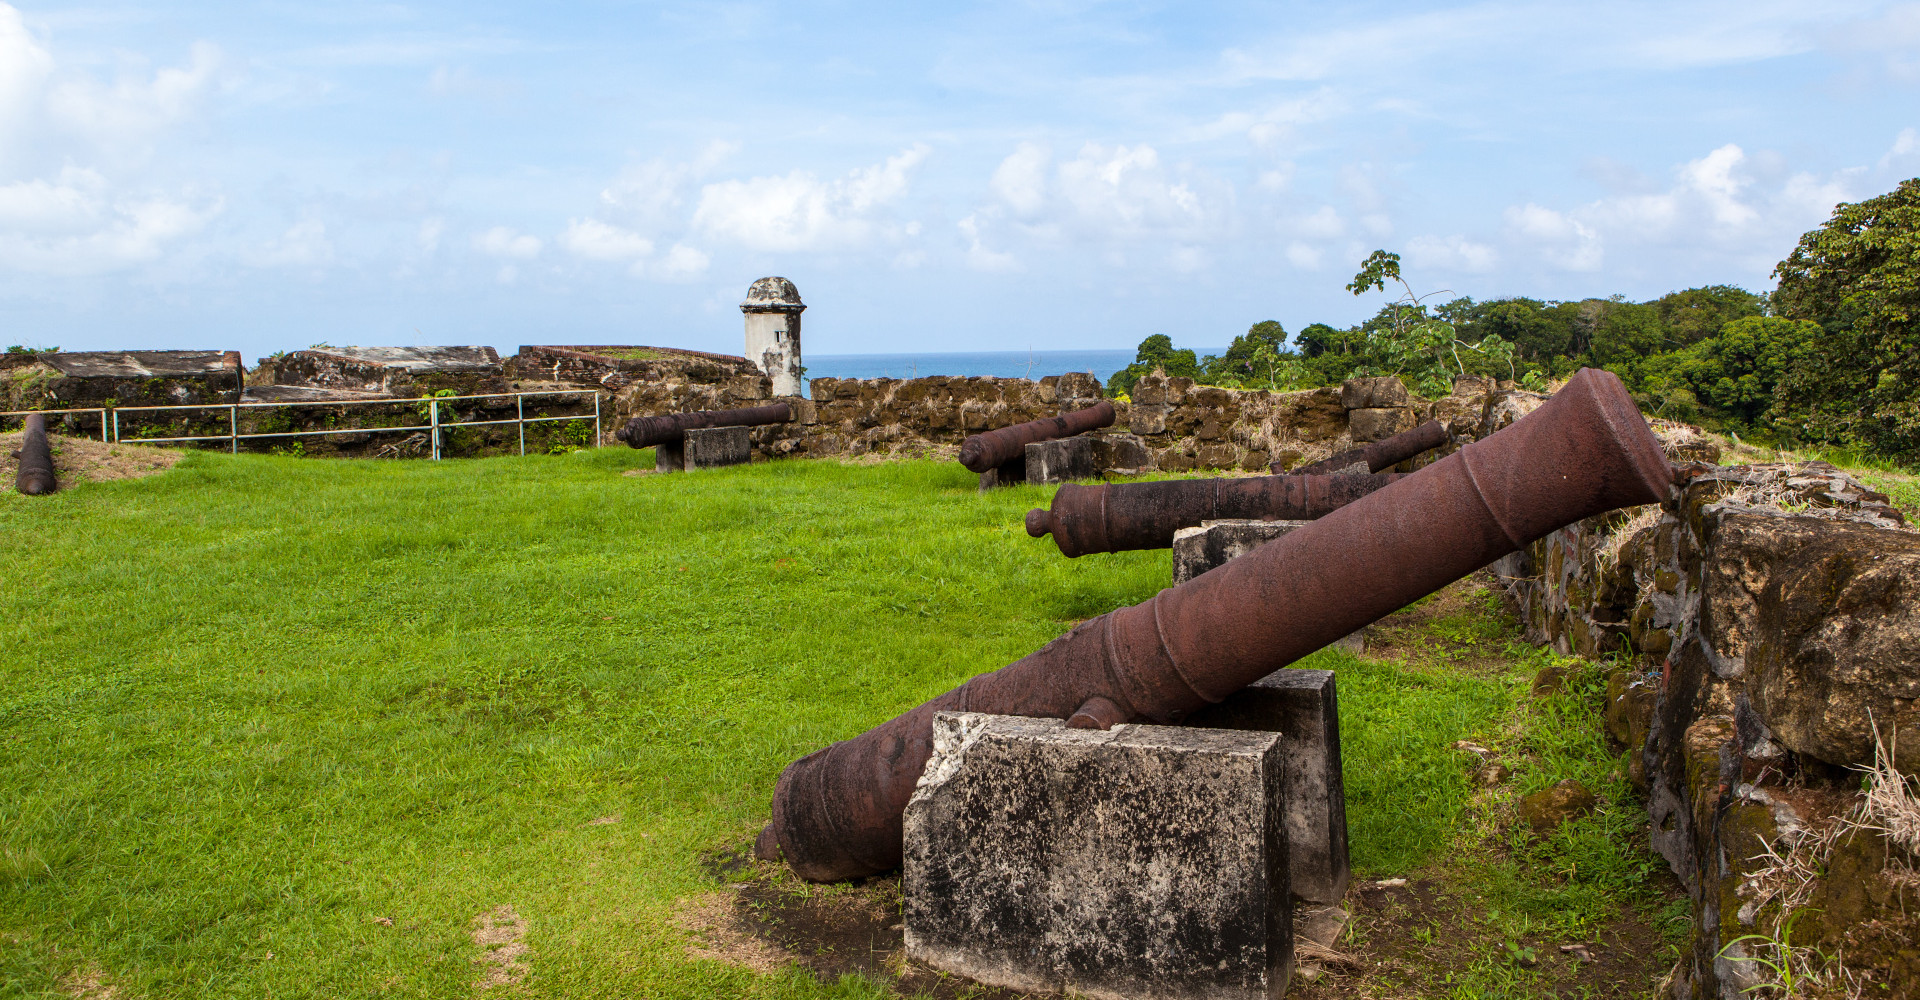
1383	454
35	477
1119	517
645	432
1587	450
992	449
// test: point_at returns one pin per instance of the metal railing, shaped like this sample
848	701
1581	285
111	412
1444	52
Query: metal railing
88	409
110	418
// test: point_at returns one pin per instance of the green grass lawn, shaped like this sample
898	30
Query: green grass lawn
284	727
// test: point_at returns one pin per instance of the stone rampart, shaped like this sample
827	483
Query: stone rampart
1183	426
1767	623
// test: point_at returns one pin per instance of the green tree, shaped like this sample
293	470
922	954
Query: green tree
1858	276
1251	350
1412	343
1154	352
1695	314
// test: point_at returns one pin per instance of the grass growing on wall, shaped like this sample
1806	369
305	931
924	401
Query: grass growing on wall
282	727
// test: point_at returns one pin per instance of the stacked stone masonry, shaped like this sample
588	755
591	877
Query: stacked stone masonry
1767	618
1169	424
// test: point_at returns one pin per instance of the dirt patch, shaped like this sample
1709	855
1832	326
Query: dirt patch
78	460
1422	939
1450	629
87	984
766	920
499	931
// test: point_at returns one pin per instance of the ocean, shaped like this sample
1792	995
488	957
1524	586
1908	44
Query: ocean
1002	364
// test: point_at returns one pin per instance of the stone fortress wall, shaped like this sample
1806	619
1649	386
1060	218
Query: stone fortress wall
1765	623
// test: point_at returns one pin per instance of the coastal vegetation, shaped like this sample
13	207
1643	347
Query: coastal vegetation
1830	357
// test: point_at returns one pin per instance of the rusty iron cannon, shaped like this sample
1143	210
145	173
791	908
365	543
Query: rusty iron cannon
646	432
837	811
35	477
1382	454
1118	517
992	449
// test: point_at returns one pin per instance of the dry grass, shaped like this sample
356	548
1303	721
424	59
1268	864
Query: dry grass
78	460
1892	802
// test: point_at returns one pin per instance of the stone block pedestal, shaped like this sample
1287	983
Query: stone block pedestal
1302	708
705	448
1214	543
1142	862
1012	472
1060	460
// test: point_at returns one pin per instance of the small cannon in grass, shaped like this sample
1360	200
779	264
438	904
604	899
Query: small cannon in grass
837	811
35	477
1383	454
1119	517
703	438
1000	455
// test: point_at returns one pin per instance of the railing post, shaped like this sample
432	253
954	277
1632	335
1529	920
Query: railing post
434	402
233	428
116	423
103	425
520	414
596	418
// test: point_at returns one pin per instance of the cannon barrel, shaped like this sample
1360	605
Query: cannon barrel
1383	454
1118	517
645	432
980	452
35	477
837	811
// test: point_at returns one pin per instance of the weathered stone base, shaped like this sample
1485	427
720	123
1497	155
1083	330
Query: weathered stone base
1215	543
1012	472
1142	862
1122	455
1300	706
706	448
1060	460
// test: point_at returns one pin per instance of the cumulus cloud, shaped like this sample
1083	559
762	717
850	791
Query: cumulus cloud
799	212
1452	253
303	245
501	241
77	224
70	149
596	240
1725	201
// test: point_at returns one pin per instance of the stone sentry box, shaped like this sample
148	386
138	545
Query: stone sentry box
1138	862
705	448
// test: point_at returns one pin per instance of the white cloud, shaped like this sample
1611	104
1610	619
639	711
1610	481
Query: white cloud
1452	253
1323	224
1906	146
501	241
134	109
652	195
978	256
1893	36
681	263
800	212
1725	202
1303	256
76	226
1566	242
304	245
1105	193
1021	178
596	240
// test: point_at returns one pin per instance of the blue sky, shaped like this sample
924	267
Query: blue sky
958	177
